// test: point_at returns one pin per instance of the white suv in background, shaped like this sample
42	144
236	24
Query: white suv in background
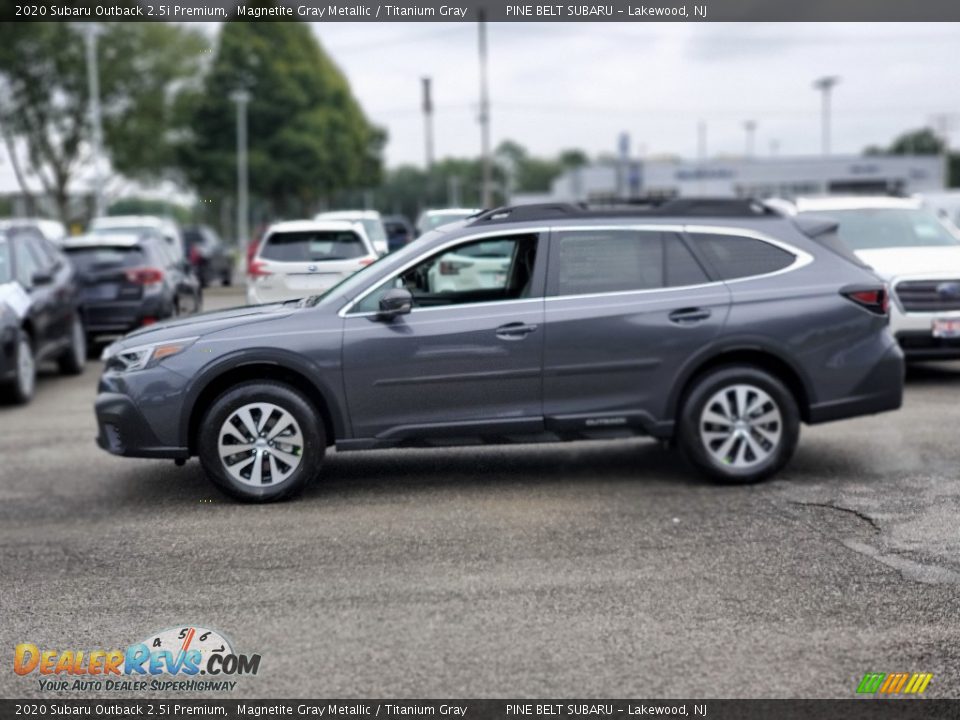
370	220
918	254
306	257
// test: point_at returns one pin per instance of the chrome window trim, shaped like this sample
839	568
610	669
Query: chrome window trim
801	259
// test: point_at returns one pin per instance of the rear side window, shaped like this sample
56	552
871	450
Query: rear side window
95	259
601	261
313	246
733	256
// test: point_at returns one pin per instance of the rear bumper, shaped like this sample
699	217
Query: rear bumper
922	345
119	318
122	430
880	391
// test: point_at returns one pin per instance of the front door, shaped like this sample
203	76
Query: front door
466	361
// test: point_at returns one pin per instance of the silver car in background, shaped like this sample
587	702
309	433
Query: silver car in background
370	220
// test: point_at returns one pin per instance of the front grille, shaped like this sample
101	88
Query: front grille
929	295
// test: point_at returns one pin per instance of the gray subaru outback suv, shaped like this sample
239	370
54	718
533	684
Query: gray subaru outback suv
719	326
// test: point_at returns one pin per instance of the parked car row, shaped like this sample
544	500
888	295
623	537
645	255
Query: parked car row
61	297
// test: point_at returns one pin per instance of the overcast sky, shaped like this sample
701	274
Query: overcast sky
559	85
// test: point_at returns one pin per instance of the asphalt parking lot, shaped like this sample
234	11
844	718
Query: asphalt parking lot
603	569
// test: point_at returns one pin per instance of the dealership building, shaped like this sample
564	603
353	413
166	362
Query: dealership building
747	177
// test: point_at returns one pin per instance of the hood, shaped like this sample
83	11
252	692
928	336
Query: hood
891	263
206	323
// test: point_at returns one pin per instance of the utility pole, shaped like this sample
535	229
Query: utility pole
486	194
750	127
702	141
242	98
825	85
453	191
93	82
427	122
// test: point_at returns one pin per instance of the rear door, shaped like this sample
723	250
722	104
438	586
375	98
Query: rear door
295	264
625	307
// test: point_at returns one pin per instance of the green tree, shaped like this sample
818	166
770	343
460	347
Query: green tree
920	142
44	99
308	137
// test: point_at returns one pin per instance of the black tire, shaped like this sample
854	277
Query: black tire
286	399
74	358
705	449
23	387
227	279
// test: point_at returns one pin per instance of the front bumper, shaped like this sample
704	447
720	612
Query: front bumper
122	430
880	391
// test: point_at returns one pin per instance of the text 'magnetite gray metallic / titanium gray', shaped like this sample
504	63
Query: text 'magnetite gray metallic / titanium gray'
719	326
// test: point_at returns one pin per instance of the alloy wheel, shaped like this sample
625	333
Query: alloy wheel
741	426
260	444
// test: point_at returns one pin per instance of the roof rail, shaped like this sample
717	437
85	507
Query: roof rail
683	207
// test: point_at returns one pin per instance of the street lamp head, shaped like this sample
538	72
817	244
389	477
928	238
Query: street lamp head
826	82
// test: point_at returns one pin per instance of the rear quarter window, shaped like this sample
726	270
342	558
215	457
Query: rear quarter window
735	256
313	246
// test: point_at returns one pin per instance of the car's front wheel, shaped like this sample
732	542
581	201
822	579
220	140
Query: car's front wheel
739	424
261	441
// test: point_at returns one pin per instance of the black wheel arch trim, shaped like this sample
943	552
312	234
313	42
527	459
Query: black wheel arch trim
731	346
278	357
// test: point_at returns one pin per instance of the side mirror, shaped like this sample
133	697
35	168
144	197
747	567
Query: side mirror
42	278
397	301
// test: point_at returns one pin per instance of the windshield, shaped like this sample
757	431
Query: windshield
374	230
875	228
6	270
435	220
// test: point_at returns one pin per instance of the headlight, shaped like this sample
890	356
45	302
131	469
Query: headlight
142	356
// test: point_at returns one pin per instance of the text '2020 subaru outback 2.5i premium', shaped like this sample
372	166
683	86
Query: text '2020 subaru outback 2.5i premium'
720	325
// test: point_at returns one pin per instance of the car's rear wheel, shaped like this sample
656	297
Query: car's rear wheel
73	359
261	441
24	383
739	424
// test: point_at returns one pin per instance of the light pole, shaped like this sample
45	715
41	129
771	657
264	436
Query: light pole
93	82
825	86
486	193
750	127
428	122
242	98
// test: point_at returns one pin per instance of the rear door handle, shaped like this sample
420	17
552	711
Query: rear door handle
515	331
689	316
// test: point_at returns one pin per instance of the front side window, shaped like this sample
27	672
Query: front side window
6	262
734	256
487	270
313	246
603	261
26	264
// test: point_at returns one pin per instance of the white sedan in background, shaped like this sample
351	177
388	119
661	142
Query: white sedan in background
918	255
306	257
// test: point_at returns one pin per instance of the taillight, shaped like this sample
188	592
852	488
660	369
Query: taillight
195	256
257	269
148	321
874	299
144	275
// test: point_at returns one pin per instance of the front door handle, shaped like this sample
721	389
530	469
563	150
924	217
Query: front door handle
689	316
515	331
